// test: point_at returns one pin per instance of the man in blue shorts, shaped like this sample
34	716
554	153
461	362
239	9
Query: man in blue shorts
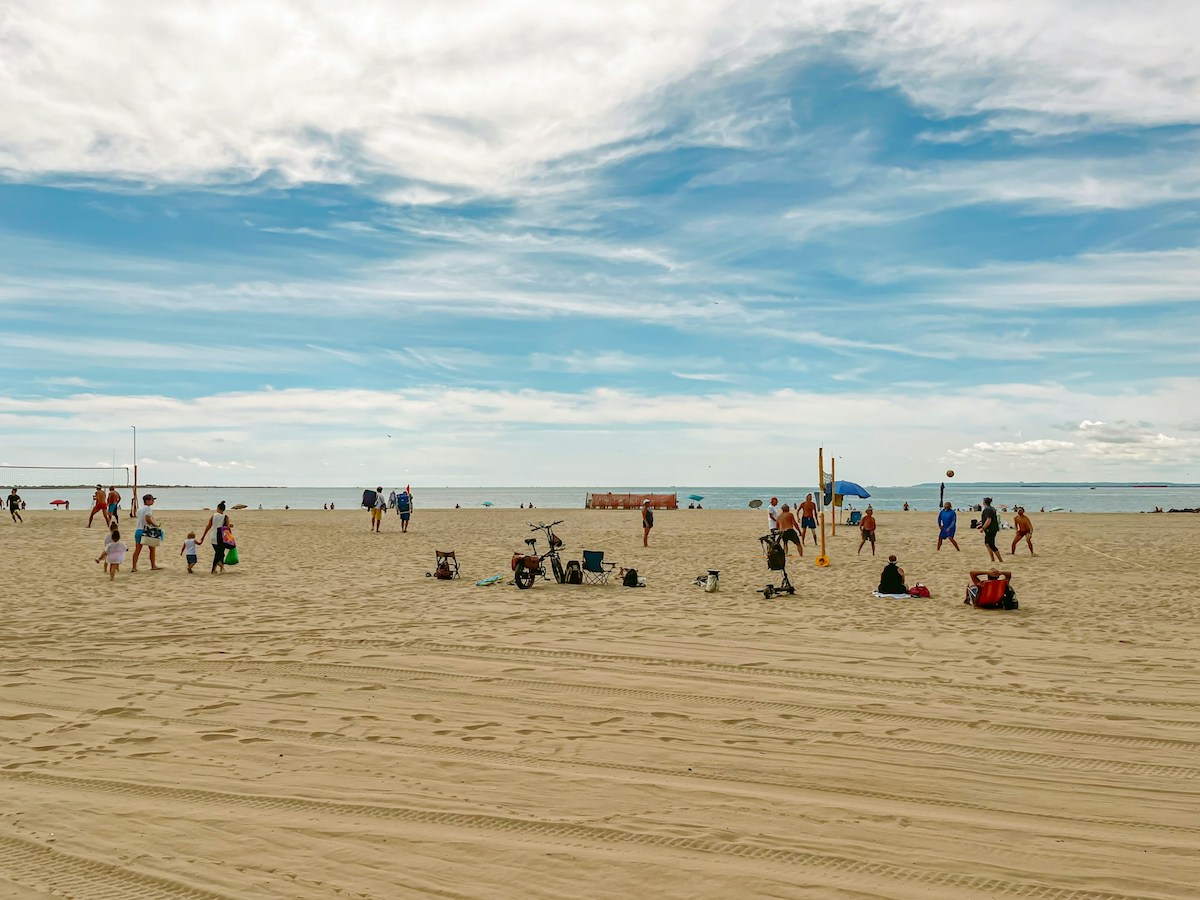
808	519
404	507
947	522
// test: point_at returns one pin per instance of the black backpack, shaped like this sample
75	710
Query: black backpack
1009	600
574	573
776	558
631	578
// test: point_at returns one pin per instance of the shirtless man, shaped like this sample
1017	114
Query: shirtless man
867	524
808	519
99	505
787	529
1024	529
114	503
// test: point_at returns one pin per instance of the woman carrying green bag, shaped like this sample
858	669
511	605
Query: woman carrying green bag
222	538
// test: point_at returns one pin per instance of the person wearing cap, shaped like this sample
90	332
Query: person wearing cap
377	509
647	522
145	517
99	505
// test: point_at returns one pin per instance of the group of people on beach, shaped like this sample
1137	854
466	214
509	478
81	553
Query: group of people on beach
149	534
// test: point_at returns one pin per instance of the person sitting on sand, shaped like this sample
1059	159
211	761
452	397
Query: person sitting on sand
891	579
867	525
979	577
788	530
1024	529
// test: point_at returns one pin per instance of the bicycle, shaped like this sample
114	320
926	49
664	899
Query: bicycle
527	566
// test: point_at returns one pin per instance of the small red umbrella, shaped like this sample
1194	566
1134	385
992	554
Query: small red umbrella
59	502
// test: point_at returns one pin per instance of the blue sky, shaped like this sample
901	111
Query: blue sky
489	243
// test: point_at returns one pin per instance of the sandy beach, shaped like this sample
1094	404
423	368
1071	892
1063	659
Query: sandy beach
325	721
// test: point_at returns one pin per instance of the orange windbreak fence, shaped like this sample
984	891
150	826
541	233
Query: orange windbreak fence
630	501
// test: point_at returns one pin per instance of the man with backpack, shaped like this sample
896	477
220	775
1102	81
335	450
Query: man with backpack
404	507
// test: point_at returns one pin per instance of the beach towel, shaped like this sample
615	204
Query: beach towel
890	596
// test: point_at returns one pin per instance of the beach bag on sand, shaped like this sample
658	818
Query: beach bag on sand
1009	600
631	578
574	573
231	557
919	590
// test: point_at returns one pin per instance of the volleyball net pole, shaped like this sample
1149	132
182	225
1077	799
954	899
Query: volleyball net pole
822	561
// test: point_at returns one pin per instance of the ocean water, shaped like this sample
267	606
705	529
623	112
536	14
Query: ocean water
1075	498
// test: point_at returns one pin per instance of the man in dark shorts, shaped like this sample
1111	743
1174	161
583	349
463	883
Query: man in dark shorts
647	522
808	519
868	530
787	529
947	524
989	524
14	506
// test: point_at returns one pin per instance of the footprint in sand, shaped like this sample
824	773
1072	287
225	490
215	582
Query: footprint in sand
481	725
426	717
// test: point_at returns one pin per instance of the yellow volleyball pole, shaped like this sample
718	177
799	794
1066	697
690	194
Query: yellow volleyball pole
822	561
833	491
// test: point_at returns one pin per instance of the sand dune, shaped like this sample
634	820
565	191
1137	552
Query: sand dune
325	721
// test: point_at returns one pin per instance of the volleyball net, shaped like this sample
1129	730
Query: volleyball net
65	476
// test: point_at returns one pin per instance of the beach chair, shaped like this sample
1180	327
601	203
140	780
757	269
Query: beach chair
855	518
990	595
595	569
446	565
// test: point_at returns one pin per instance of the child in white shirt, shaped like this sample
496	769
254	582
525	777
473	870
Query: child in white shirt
108	540
116	554
189	549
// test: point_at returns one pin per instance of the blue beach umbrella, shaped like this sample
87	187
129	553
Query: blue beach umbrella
695	497
487	503
850	489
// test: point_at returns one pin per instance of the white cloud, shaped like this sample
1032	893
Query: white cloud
481	94
470	436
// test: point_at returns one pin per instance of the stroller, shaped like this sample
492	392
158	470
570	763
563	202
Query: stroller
776	562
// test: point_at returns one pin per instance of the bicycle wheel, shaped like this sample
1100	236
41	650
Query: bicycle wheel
523	576
556	565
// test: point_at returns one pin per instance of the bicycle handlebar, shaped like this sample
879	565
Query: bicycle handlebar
542	525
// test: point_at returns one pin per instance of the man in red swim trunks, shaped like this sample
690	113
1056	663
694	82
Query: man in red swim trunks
1024	529
99	505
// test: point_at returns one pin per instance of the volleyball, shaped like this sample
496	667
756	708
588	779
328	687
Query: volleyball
949	473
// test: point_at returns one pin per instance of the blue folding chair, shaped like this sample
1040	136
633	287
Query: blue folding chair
855	518
595	569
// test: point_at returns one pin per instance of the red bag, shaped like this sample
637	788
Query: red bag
919	590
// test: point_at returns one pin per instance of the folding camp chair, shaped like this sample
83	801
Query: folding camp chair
855	518
595	569
446	566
